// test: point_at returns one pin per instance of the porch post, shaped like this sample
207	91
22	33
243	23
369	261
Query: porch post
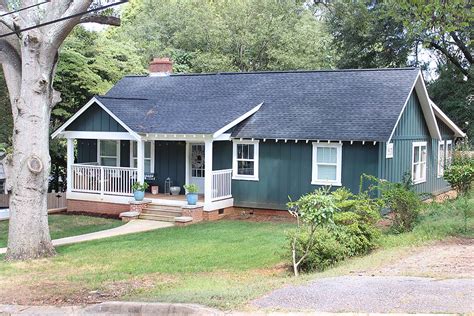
208	171
141	161
187	171
70	162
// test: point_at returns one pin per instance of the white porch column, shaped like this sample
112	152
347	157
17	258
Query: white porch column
187	164
208	172
70	162
141	161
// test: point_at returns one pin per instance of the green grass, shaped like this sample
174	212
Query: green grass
223	264
67	225
220	264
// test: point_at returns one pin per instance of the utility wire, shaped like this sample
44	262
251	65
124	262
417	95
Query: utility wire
63	18
25	8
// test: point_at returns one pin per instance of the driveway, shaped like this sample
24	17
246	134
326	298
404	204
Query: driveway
438	278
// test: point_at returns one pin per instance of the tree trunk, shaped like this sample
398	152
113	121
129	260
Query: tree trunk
28	235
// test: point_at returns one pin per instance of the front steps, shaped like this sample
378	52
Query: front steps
164	213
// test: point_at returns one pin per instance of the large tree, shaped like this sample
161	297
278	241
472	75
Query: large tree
29	57
240	35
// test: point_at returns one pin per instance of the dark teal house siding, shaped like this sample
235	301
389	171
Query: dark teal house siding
86	150
124	153
412	128
95	119
170	161
222	155
285	171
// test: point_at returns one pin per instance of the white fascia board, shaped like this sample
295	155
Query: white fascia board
422	93
84	108
446	120
97	135
196	138
237	121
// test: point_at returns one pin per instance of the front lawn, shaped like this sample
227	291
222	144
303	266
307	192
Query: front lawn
67	225
221	264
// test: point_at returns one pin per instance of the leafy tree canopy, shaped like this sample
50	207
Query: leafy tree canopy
242	35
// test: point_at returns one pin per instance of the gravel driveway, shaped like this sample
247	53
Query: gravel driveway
437	278
379	294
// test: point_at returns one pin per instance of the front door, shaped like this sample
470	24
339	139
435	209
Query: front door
197	166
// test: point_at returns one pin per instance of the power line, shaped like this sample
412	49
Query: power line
64	18
25	8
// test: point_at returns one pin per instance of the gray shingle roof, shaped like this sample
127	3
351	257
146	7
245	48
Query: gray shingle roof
326	105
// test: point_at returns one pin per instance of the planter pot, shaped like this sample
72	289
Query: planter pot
175	190
192	198
154	190
139	195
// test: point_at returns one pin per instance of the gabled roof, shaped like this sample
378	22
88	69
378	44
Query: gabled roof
446	120
354	105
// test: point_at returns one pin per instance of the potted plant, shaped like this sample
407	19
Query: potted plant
139	190
191	195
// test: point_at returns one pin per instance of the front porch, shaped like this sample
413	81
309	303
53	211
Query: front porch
97	170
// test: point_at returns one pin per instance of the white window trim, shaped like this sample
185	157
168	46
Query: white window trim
235	174
448	143
117	152
443	158
314	178
418	144
152	155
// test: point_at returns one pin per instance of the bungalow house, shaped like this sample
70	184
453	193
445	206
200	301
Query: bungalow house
252	140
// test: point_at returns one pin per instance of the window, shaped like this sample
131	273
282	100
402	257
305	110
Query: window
2	186
418	173
441	151
149	156
109	153
327	164
449	152
245	162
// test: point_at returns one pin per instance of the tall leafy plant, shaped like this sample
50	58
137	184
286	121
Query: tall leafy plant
312	211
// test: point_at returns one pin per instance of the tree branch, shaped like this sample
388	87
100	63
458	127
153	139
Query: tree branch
451	58
101	19
462	47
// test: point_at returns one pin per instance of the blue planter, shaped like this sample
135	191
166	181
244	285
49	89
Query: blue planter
192	198
139	195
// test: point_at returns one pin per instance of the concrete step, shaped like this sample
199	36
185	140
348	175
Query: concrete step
174	213
163	207
153	217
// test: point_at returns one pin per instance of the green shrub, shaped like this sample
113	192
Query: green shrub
324	251
461	176
351	232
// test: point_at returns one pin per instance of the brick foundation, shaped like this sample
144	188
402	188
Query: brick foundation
138	206
196	212
96	208
246	213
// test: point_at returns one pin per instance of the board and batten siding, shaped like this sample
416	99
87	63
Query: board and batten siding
412	128
286	168
95	119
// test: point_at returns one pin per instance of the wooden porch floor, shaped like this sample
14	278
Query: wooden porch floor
163	196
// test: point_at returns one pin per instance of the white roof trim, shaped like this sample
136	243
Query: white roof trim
446	120
420	88
84	108
237	121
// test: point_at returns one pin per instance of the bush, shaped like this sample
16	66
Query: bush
461	176
351	232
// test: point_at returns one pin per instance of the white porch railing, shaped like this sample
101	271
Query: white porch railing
103	180
221	184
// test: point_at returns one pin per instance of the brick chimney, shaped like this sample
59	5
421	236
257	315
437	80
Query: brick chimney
160	67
